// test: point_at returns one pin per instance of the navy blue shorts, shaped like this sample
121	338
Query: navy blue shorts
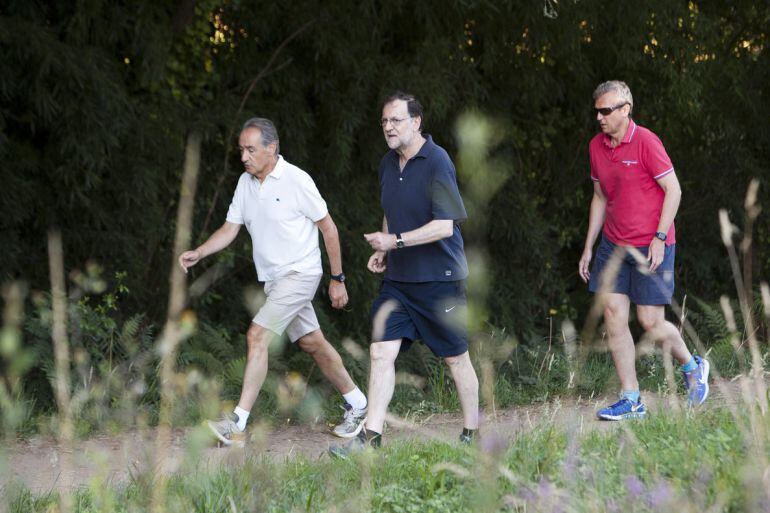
632	277
435	312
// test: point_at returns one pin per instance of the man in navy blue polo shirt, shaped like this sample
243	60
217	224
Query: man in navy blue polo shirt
420	250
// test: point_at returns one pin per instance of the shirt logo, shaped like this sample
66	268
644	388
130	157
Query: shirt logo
629	163
277	199
447	310
447	273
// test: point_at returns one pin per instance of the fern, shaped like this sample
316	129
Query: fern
203	359
233	373
209	349
709	319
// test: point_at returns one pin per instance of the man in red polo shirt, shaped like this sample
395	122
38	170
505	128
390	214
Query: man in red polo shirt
636	197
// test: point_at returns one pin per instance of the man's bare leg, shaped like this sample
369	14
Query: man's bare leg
653	320
467	388
230	429
328	360
382	381
257	342
621	343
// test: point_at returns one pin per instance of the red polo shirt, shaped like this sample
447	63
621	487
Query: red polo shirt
628	177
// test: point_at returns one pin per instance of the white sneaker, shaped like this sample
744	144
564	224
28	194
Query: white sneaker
226	430
352	422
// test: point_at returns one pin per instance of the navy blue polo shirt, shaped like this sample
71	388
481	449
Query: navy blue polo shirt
425	190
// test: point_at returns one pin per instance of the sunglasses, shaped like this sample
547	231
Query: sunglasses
606	111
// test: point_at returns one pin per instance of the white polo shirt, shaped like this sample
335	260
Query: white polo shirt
280	214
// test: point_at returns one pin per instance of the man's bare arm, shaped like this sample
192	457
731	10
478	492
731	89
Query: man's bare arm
430	232
337	291
218	241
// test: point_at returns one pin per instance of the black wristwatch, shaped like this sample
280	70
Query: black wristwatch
661	236
399	241
338	277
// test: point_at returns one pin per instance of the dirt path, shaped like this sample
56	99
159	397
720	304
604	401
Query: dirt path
113	459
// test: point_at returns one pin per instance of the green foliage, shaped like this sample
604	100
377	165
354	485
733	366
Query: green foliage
211	350
709	318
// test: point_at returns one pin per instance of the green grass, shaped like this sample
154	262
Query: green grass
685	462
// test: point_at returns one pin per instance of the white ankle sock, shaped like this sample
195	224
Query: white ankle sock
243	416
356	399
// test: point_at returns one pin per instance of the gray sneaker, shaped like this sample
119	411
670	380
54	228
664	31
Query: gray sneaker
352	422
343	452
226	430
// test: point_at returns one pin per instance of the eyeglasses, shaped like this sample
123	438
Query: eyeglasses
606	111
393	121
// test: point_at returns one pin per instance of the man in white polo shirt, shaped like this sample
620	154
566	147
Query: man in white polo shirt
283	211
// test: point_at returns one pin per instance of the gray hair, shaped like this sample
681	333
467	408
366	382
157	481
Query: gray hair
267	131
617	86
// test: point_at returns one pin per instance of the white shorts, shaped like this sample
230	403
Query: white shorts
289	305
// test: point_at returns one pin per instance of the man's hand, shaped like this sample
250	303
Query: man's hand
377	262
655	253
189	259
338	294
583	265
380	241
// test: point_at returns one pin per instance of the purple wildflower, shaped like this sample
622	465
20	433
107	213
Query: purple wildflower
660	495
634	486
527	494
544	488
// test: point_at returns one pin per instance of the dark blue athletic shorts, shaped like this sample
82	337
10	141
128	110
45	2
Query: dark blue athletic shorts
634	278
434	312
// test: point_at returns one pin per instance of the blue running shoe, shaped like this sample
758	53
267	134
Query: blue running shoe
696	382
623	409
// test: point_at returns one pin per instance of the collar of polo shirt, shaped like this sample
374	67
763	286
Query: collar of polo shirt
277	171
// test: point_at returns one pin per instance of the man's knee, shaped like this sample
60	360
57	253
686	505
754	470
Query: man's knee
462	371
615	316
457	361
312	342
648	323
257	339
650	319
383	353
